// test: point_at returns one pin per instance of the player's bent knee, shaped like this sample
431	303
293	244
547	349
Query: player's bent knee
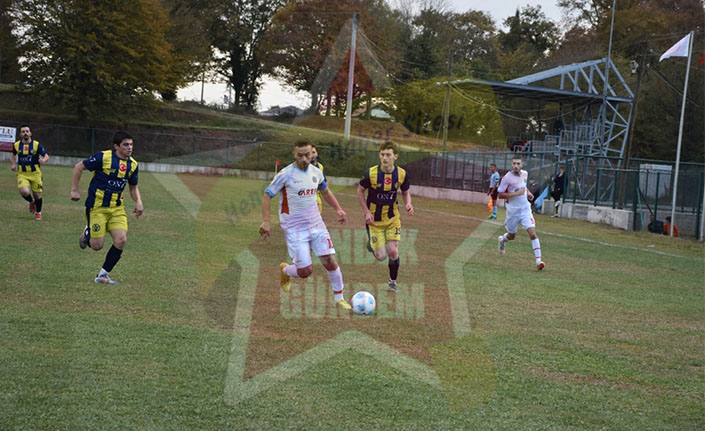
305	272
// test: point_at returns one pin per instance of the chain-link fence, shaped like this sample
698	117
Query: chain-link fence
644	188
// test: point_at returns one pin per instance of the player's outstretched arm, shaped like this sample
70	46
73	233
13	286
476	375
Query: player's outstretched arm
75	178
13	160
135	195
407	197
265	226
361	200
44	159
331	200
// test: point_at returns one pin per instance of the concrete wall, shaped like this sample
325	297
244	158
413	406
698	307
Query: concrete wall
622	219
619	218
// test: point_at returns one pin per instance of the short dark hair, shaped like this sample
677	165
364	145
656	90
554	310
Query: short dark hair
120	136
23	126
668	218
517	158
561	166
302	143
389	145
493	165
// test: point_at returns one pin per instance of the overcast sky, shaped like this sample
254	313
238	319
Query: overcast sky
272	93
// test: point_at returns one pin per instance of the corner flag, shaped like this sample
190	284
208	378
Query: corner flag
679	49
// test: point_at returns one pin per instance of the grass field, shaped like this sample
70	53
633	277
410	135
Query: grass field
197	335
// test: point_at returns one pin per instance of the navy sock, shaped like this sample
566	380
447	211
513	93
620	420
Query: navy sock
394	267
112	258
38	204
28	198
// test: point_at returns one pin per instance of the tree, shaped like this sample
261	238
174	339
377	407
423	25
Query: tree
530	28
238	30
189	36
642	30
9	50
303	34
95	57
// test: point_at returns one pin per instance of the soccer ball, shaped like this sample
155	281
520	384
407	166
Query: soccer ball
363	303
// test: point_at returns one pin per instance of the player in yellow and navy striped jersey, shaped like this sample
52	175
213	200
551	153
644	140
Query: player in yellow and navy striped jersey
382	218
27	154
105	211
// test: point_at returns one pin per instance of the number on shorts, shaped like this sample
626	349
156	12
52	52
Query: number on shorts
398	231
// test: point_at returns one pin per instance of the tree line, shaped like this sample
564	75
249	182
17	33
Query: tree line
96	58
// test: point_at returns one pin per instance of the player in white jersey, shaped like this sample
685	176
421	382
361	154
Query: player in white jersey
513	188
301	222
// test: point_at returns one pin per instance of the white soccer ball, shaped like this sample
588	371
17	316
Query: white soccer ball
363	303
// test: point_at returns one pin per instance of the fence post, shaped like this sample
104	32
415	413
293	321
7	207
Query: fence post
159	147
576	180
634	201
257	163
473	174
598	187
699	207
463	173
615	185
657	195
193	144
93	140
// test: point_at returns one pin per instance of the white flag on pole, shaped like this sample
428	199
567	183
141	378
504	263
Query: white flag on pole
679	49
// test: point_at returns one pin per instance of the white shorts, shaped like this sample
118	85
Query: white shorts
300	243
524	218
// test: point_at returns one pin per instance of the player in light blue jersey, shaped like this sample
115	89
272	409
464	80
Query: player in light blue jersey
493	189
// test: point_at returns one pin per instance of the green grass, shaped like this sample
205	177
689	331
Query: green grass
610	336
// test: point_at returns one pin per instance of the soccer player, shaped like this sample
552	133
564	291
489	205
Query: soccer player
493	190
315	162
304	229
27	154
105	212
382	218
513	188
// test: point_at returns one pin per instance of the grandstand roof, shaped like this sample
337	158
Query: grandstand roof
510	89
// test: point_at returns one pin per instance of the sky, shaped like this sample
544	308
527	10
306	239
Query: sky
273	93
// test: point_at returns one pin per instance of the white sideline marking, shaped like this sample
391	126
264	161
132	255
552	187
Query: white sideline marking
577	238
559	235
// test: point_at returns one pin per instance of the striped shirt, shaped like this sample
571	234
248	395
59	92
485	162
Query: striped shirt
28	155
382	191
110	175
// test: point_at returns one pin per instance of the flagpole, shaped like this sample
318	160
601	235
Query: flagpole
681	132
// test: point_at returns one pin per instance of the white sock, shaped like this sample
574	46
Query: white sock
102	273
291	271
537	250
336	279
505	238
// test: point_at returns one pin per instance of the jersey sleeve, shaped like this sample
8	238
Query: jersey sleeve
14	147
133	178
503	185
405	184
94	162
40	149
277	184
365	181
